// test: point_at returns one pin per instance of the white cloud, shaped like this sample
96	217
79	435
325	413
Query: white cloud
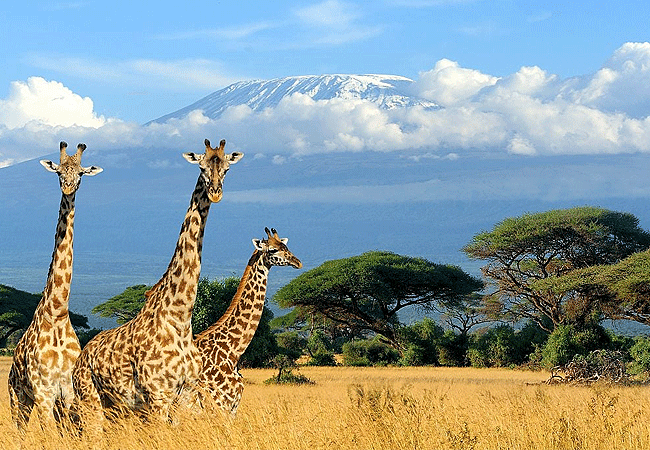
327	14
232	33
529	112
521	146
173	75
621	85
46	102
448	83
333	22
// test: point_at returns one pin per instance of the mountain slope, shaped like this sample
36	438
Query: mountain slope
388	91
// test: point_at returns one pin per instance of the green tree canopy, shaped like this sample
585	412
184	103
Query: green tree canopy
17	310
523	250
123	307
367	291
212	300
622	289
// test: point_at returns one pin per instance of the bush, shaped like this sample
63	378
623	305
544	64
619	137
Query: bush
497	347
85	336
286	366
421	342
566	341
322	358
640	353
452	350
291	343
370	352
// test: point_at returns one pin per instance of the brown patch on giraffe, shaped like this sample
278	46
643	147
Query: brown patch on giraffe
58	280
49	357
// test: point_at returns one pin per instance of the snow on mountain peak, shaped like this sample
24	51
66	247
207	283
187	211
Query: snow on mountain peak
388	91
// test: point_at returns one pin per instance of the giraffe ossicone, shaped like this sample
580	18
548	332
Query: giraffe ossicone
41	372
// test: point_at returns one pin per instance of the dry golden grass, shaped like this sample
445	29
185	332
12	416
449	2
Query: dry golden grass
389	408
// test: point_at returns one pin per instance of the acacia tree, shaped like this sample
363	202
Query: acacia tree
621	289
17	310
125	306
523	250
466	314
367	292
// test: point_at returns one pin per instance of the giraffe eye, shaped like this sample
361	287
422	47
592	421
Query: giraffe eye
273	250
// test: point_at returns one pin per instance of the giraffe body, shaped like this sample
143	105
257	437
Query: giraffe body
41	372
221	345
143	364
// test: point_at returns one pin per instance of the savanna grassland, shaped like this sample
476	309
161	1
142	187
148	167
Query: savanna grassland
387	408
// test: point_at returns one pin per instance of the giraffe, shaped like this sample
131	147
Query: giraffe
143	364
41	373
221	345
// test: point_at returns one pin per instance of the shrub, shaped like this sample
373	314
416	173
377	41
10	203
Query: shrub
291	343
497	347
322	358
286	366
421	342
85	336
566	341
452	349
370	352
640	353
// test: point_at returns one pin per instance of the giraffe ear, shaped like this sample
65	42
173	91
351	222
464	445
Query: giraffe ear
234	157
284	240
49	165
192	157
257	243
92	170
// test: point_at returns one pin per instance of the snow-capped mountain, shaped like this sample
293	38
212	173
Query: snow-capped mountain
388	91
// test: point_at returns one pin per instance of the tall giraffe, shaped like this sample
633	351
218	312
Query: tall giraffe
223	343
143	364
41	373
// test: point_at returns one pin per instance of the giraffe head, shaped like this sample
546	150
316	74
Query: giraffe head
274	250
69	169
214	164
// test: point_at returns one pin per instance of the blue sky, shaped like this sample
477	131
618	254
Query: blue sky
125	63
138	62
540	102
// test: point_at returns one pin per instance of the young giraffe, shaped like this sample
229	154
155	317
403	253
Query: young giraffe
41	372
223	343
143	364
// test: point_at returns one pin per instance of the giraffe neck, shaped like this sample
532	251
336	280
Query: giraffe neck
56	294
238	324
172	298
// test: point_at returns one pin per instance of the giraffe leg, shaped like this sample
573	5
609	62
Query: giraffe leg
21	405
67	400
159	408
86	409
239	390
45	404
